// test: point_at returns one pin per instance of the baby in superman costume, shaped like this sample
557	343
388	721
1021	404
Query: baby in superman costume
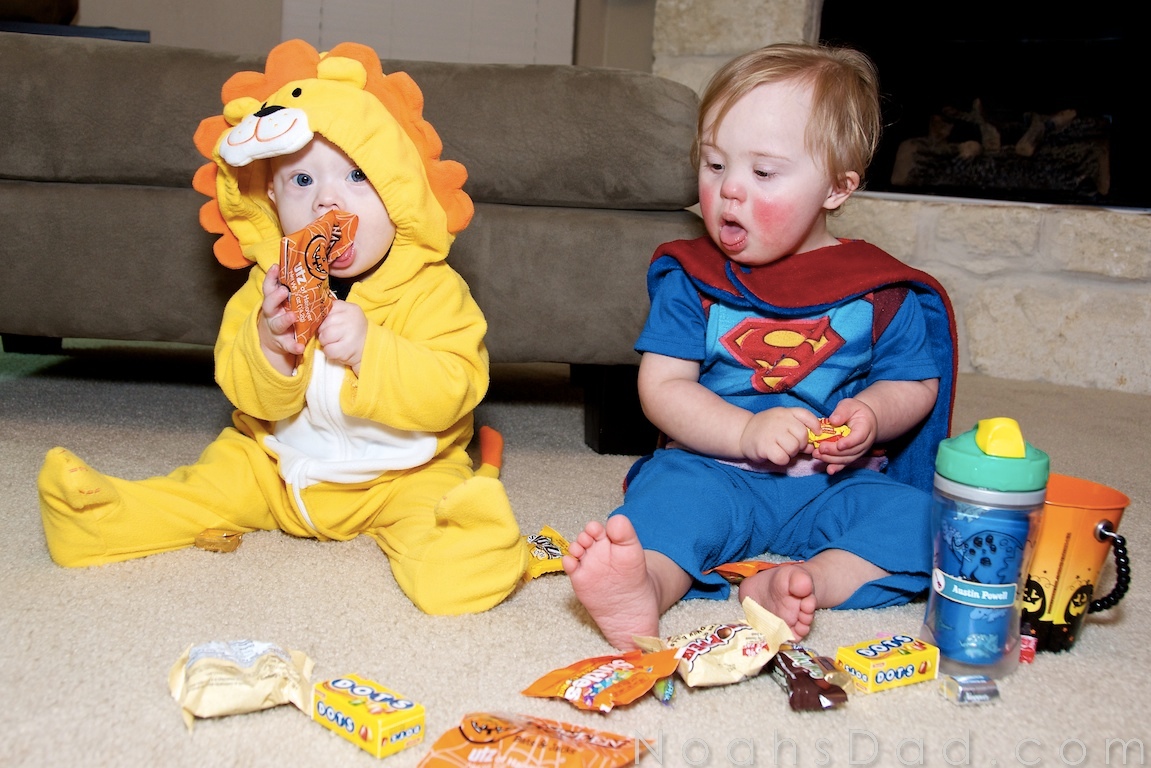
756	332
328	449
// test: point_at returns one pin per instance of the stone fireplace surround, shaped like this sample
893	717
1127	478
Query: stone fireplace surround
1056	293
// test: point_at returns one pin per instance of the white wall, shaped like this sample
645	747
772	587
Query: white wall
615	33
229	26
482	31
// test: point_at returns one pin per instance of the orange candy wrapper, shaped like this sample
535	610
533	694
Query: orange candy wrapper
304	259
523	741
738	571
604	682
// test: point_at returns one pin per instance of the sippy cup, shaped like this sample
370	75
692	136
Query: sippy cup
986	510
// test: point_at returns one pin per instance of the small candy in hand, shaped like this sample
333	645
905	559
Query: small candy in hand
827	433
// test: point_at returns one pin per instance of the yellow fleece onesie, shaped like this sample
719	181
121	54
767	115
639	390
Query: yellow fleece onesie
324	452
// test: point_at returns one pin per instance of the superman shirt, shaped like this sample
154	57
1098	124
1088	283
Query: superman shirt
758	361
807	331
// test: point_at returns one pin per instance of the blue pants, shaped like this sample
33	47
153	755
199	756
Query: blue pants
702	513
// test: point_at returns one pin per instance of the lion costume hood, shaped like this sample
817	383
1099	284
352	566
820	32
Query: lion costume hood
376	119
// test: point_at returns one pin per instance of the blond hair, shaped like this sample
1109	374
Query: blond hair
845	123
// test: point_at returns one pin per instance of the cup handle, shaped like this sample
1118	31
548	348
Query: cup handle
1104	531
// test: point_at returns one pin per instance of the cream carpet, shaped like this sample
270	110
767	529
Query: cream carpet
84	654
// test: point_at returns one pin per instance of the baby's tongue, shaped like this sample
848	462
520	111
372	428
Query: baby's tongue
732	235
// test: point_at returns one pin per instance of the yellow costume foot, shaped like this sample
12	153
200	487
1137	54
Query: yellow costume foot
476	557
73	499
69	480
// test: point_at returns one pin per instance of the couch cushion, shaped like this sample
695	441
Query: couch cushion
563	136
87	110
110	262
564	285
101	111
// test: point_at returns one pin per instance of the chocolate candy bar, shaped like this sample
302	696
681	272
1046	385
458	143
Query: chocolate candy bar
806	678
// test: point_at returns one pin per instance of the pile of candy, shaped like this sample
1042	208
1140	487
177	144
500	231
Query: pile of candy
218	679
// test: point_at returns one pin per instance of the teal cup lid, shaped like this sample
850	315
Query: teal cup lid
993	456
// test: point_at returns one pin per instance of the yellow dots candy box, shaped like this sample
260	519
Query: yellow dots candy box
888	662
374	718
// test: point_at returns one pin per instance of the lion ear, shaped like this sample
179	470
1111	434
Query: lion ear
289	61
245	84
237	109
340	69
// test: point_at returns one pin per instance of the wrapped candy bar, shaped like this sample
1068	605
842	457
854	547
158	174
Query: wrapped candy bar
230	678
812	682
546	550
304	260
218	540
969	689
604	682
720	654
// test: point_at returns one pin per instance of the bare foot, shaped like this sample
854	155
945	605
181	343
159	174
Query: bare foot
787	591
608	571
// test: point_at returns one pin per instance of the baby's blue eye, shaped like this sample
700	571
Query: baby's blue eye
357	175
302	180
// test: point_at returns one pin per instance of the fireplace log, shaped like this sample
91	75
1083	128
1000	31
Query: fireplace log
964	151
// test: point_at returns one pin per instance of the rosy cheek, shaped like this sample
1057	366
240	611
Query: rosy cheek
708	197
771	215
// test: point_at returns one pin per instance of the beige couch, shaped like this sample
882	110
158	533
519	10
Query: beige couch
577	175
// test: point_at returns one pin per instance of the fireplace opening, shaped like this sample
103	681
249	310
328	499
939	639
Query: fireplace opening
1021	101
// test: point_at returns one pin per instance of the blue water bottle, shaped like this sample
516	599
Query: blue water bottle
986	511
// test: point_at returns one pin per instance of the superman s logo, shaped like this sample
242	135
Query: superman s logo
781	353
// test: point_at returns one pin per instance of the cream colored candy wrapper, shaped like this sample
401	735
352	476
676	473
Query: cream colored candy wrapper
230	678
720	654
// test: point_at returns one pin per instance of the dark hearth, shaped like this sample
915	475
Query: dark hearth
1019	101
1062	156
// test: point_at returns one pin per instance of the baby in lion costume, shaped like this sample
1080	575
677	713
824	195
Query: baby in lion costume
364	429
